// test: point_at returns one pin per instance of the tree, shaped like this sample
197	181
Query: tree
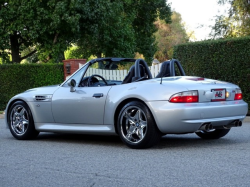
49	27
147	12
169	35
112	35
46	26
237	22
129	28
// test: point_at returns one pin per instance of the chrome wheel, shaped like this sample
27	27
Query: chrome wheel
136	126
133	124
19	120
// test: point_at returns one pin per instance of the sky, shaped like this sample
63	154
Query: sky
198	12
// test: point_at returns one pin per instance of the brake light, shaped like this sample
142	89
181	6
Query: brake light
238	94
185	97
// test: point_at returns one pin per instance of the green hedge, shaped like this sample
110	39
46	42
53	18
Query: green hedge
225	59
17	78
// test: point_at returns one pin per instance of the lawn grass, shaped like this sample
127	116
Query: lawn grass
1	112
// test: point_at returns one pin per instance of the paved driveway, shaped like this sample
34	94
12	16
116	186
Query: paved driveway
83	160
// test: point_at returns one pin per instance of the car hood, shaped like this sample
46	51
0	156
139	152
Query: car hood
44	89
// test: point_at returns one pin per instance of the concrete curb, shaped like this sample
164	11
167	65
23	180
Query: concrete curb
246	120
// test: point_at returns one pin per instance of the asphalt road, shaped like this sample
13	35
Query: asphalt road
83	160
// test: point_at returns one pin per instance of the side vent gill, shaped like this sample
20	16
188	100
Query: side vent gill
42	97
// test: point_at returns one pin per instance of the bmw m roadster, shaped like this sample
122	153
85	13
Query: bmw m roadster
138	107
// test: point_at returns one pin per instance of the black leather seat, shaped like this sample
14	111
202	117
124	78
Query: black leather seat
165	70
131	74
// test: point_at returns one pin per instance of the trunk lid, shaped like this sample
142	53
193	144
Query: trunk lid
209	90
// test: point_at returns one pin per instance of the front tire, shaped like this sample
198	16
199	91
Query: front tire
213	134
136	126
21	122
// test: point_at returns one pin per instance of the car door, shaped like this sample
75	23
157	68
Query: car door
83	106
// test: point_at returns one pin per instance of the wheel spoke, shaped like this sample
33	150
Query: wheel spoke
140	133
131	129
143	124
23	126
16	123
129	118
15	110
137	116
127	125
22	112
25	121
129	136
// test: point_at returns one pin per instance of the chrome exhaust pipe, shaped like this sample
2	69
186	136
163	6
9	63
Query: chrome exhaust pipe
240	124
209	126
236	123
206	127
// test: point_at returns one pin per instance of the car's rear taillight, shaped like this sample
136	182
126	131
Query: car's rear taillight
185	97
238	94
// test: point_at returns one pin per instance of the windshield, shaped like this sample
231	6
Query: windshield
77	76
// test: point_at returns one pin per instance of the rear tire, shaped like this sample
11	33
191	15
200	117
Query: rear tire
21	122
213	134
136	126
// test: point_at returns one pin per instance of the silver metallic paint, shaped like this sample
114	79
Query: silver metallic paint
79	107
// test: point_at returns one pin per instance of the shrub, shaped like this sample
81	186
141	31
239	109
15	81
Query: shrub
225	59
17	78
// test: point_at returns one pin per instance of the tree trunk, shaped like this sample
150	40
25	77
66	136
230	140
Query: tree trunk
15	48
99	55
54	42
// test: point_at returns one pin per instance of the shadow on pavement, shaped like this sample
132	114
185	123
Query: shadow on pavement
168	141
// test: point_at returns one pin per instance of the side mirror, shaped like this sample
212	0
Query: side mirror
72	84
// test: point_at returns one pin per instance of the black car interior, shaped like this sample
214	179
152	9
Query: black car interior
137	72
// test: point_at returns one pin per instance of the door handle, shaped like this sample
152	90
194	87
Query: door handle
98	95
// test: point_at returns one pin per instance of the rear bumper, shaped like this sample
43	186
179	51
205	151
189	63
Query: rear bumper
188	117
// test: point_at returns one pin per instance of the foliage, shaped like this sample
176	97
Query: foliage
128	28
31	59
73	53
16	79
125	66
113	36
49	27
147	12
169	35
227	60
237	23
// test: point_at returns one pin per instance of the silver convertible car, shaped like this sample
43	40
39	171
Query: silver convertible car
137	107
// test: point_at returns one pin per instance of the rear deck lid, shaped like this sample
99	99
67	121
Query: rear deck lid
209	90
